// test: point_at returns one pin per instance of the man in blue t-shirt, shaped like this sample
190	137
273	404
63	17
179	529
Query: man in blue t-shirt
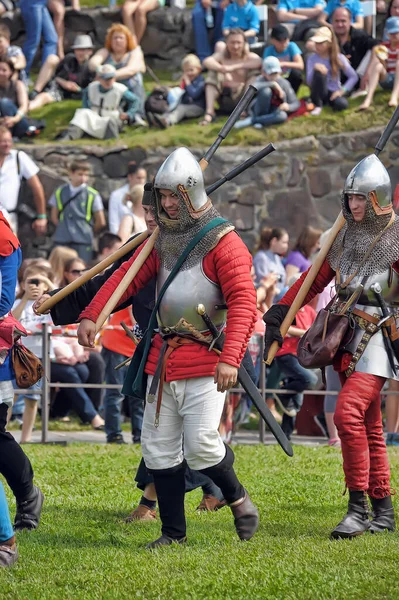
242	14
289	55
354	7
294	11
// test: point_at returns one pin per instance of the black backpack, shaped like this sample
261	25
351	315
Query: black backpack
157	101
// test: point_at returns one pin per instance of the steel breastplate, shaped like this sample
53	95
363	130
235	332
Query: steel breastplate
188	289
390	290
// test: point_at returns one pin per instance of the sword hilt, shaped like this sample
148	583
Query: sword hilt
376	288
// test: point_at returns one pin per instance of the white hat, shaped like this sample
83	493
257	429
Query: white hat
82	42
271	65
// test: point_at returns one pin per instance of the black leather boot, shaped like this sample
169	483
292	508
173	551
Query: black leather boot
356	521
29	510
383	515
170	487
246	518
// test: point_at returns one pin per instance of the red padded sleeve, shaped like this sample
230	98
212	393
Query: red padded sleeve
144	276
323	278
229	265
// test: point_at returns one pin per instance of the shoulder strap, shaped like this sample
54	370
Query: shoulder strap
18	165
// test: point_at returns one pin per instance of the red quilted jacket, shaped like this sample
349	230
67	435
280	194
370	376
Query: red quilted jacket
229	265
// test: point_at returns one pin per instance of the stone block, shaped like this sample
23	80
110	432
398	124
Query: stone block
293	209
251	195
319	181
241	216
295	175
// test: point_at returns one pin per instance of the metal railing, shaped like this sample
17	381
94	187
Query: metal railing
48	385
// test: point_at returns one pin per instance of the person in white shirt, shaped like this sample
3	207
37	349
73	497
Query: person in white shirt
15	165
136	175
133	221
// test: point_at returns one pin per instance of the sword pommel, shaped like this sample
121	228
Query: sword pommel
201	309
377	289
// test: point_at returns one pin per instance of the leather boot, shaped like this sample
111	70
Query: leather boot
246	518
383	515
170	487
164	540
29	510
356	521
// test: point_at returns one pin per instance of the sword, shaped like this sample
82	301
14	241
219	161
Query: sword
248	386
391	347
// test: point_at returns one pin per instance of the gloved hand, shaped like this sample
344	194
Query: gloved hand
273	319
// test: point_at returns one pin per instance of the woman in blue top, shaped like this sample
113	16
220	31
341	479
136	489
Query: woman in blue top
273	244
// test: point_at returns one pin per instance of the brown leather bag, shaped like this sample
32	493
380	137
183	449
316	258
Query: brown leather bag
318	347
27	366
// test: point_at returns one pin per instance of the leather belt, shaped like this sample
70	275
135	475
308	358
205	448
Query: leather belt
167	348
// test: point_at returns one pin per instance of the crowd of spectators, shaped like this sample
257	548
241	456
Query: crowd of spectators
326	45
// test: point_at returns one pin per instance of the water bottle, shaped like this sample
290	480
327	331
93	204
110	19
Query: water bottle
209	18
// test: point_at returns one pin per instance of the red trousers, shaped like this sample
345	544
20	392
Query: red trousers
359	423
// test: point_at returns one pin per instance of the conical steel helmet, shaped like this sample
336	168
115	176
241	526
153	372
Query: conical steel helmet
371	179
182	174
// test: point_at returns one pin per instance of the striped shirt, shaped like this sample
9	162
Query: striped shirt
393	56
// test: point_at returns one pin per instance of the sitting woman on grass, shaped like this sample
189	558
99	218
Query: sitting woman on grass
13	100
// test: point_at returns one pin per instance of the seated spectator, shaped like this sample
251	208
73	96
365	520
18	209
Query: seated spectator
300	16
38	26
307	244
125	56
275	98
77	211
241	14
192	102
289	55
324	70
13	100
36	282
230	73
272	246
72	76
133	221
14	53
58	258
134	15
136	175
7	6
207	15
107	107
392	11
354	7
384	67
108	243
353	43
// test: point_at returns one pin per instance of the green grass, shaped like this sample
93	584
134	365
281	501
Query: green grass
189	133
83	550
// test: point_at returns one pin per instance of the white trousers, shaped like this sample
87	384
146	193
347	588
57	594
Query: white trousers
191	408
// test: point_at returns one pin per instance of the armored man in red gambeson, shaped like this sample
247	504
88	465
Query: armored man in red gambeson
186	382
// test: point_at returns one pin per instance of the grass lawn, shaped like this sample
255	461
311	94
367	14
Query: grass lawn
83	550
189	133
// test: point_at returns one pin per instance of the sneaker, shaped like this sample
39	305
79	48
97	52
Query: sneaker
165	540
139	121
210	504
29	510
320	421
316	111
141	513
8	555
290	412
243	123
257	126
161	121
116	439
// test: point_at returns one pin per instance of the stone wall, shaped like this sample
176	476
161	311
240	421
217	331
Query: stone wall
298	184
168	37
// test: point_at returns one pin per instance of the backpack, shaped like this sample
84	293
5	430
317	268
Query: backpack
157	101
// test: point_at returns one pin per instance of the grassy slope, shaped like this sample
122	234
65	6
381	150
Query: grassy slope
190	133
82	550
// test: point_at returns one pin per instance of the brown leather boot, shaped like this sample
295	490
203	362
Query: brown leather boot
8	555
141	513
246	518
210	503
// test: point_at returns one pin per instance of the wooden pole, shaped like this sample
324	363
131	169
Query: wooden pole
74	285
126	281
307	284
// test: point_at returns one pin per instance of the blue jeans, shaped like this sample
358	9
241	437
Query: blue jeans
19	404
297	378
264	113
38	25
9	109
6	530
72	398
113	399
202	45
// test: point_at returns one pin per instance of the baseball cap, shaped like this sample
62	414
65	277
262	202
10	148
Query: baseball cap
271	65
82	42
106	72
323	34
392	25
